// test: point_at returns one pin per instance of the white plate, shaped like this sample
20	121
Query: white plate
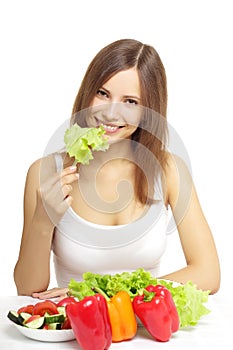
46	335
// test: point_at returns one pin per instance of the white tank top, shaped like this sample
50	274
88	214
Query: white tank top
80	246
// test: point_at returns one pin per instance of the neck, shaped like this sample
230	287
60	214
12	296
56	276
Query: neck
120	153
119	150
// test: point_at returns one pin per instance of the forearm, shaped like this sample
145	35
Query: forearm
205	278
32	271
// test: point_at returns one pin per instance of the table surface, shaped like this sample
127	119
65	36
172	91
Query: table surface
212	330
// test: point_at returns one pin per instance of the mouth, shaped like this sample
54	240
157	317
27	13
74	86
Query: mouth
110	128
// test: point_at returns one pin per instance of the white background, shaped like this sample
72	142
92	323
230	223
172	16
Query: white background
46	46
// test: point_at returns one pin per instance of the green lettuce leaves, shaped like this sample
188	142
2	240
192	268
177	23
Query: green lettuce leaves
188	299
189	302
80	142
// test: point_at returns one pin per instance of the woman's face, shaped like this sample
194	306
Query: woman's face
116	106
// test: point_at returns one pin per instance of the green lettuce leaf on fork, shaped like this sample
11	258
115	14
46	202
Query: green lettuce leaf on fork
80	142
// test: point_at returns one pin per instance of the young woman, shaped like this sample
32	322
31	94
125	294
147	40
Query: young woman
111	215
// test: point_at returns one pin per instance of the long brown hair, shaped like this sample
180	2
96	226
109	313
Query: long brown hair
152	132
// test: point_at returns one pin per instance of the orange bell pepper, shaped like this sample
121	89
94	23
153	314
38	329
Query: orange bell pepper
122	317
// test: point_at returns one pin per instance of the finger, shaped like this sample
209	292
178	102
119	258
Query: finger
62	296
66	190
57	177
60	197
41	295
66	203
45	292
51	293
61	190
57	293
68	179
70	170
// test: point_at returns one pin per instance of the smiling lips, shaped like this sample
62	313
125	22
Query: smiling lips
110	129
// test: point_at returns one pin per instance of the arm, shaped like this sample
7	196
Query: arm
195	235
46	198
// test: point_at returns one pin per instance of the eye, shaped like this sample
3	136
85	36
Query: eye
131	101
102	93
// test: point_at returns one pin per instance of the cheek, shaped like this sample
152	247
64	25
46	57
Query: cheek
134	119
129	130
97	102
93	102
95	110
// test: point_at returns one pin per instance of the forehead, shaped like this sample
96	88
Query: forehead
126	81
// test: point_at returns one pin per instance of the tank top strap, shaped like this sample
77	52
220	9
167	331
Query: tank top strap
58	161
158	189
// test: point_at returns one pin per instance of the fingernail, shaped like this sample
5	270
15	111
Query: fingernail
73	167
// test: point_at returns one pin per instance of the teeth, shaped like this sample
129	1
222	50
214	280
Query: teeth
109	127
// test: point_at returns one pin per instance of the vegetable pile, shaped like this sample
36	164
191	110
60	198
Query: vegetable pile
98	320
188	299
80	142
103	309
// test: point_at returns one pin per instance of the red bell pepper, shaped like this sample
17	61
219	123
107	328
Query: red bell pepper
90	322
163	291
157	312
65	301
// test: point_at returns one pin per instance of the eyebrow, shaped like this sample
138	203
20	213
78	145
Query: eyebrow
133	97
125	96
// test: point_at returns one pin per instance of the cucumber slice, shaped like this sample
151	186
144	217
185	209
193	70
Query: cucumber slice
61	310
35	324
13	316
58	318
23	316
54	326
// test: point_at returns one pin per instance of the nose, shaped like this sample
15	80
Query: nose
111	111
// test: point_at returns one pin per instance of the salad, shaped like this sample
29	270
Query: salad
46	315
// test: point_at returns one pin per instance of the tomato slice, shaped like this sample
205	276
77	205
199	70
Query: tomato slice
45	306
28	309
66	301
66	324
32	318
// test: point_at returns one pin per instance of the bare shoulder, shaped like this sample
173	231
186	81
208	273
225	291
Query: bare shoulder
177	178
42	168
176	165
